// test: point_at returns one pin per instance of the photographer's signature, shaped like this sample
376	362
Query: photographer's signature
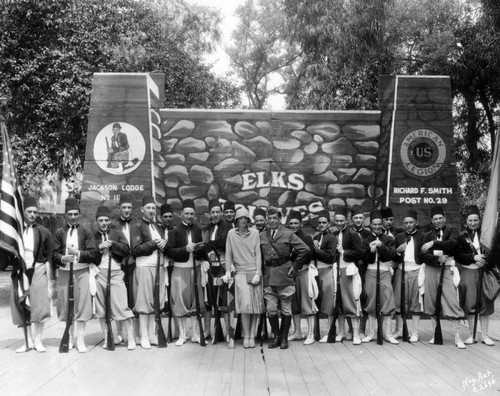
483	381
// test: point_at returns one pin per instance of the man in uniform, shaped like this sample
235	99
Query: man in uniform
324	255
358	219
379	247
183	250
259	218
470	258
388	222
148	246
277	243
349	253
124	223
229	212
215	236
113	247
37	248
408	250
166	217
303	300
75	243
437	255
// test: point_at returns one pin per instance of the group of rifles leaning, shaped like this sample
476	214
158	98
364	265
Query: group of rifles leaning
252	269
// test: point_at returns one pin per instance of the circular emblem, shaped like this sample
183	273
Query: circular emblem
119	148
423	152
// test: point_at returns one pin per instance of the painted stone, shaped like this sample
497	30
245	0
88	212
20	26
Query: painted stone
345	174
201	174
217	129
230	166
362	132
321	163
304	197
311	148
327	131
189	145
368	161
346	190
190	192
198	157
181	129
367	147
168	145
175	159
243	153
339	146
243	196
246	130
303	136
260	145
364	176
286	144
318	189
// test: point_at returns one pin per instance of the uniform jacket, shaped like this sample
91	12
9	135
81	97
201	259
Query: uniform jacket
418	240
178	240
119	225
142	242
86	245
464	254
327	252
42	244
119	249
352	245
285	241
219	243
386	252
119	142
447	244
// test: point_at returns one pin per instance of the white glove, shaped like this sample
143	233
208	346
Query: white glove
227	277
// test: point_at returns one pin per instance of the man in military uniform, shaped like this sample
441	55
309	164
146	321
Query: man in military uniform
349	253
124	223
438	251
408	250
259	219
37	248
277	244
75	243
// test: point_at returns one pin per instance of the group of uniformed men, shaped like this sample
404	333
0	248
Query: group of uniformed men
335	271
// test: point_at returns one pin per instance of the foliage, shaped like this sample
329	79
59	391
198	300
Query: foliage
260	51
50	49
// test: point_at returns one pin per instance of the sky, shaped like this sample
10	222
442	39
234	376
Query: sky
219	58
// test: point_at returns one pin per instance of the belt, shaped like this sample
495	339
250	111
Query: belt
276	262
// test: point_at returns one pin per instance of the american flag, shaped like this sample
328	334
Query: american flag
11	218
490	217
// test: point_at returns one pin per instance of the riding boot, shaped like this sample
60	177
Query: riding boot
286	321
275	327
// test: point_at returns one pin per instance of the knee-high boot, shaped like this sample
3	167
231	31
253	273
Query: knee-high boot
274	322
286	321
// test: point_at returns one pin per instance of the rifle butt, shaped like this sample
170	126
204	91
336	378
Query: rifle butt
162	339
317	327
380	331
169	329
438	334
332	331
406	337
110	342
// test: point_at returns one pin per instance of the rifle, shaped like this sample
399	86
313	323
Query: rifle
336	312
198	307
438	334
478	302
64	345
406	337
317	332
170	314
380	338
110	343
162	340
